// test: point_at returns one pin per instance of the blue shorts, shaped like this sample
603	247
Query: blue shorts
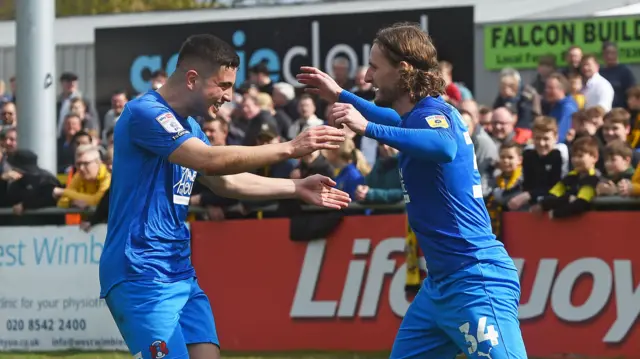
158	320
473	311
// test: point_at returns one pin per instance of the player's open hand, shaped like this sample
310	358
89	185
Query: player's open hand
345	114
319	83
318	190
316	138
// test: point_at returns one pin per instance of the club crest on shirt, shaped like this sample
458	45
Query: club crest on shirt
437	121
158	349
169	122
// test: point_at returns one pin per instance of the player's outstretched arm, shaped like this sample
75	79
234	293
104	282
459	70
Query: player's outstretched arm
222	160
317	190
428	137
327	88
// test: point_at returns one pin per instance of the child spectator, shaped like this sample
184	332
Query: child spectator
588	123
573	194
616	128
507	184
617	161
347	177
575	86
633	104
543	165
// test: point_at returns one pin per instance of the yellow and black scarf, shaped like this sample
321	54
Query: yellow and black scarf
412	251
634	136
495	209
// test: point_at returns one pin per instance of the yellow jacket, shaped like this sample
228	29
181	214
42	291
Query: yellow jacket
635	182
87	191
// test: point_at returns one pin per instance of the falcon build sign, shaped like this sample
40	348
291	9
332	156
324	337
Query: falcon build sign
125	57
520	45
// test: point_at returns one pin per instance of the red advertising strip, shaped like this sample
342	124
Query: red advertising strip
579	278
347	292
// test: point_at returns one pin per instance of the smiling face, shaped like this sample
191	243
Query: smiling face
384	77
211	92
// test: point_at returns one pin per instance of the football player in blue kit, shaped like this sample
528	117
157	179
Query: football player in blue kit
469	300
146	275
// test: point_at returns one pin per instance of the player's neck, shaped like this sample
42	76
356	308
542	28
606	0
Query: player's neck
174	99
403	105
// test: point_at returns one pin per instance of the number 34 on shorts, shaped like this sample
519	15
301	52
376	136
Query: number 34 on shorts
483	333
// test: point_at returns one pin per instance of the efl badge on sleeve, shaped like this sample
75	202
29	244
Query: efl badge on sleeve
437	121
169	122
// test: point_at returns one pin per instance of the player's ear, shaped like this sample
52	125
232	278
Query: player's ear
405	66
190	77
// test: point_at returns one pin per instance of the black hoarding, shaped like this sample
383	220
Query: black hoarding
125	57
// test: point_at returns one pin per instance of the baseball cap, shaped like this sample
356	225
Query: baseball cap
268	130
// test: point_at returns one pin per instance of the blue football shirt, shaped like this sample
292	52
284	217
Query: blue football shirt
147	237
442	189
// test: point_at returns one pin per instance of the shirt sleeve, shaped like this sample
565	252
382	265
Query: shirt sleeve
381	115
428	136
157	130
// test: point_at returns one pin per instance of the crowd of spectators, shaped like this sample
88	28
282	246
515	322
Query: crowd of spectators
548	146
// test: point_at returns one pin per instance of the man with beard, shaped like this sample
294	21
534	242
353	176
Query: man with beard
469	300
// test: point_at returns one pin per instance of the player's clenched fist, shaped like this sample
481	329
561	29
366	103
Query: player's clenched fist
319	83
317	138
345	114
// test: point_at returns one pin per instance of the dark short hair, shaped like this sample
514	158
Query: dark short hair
81	133
511	144
210	50
158	73
618	148
586	144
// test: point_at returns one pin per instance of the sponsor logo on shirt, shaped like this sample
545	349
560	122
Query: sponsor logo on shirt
437	121
179	134
169	122
182	188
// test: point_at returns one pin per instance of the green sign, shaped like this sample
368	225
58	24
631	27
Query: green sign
519	45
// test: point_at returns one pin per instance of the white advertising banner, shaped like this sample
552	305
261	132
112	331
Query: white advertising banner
49	290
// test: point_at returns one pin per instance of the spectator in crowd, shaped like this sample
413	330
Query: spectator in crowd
576	86
13	90
573	57
447	71
9	140
382	184
573	194
80	108
560	105
66	147
252	119
341	68
216	131
158	78
270	133
314	163
544	163
88	184
505	130
597	91
617	127
348	177
485	149
486	119
118	100
633	105
101	213
284	98
363	88
588	123
630	188
9	114
617	161
507	185
619	76
514	96
70	90
259	76
451	90
546	67
307	116
34	186
282	119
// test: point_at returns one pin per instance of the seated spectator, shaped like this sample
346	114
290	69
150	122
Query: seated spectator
307	116
507	185
573	194
88	184
616	127
544	163
633	105
101	214
504	129
516	97
561	106
617	161
382	184
66	147
348	177
576	85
